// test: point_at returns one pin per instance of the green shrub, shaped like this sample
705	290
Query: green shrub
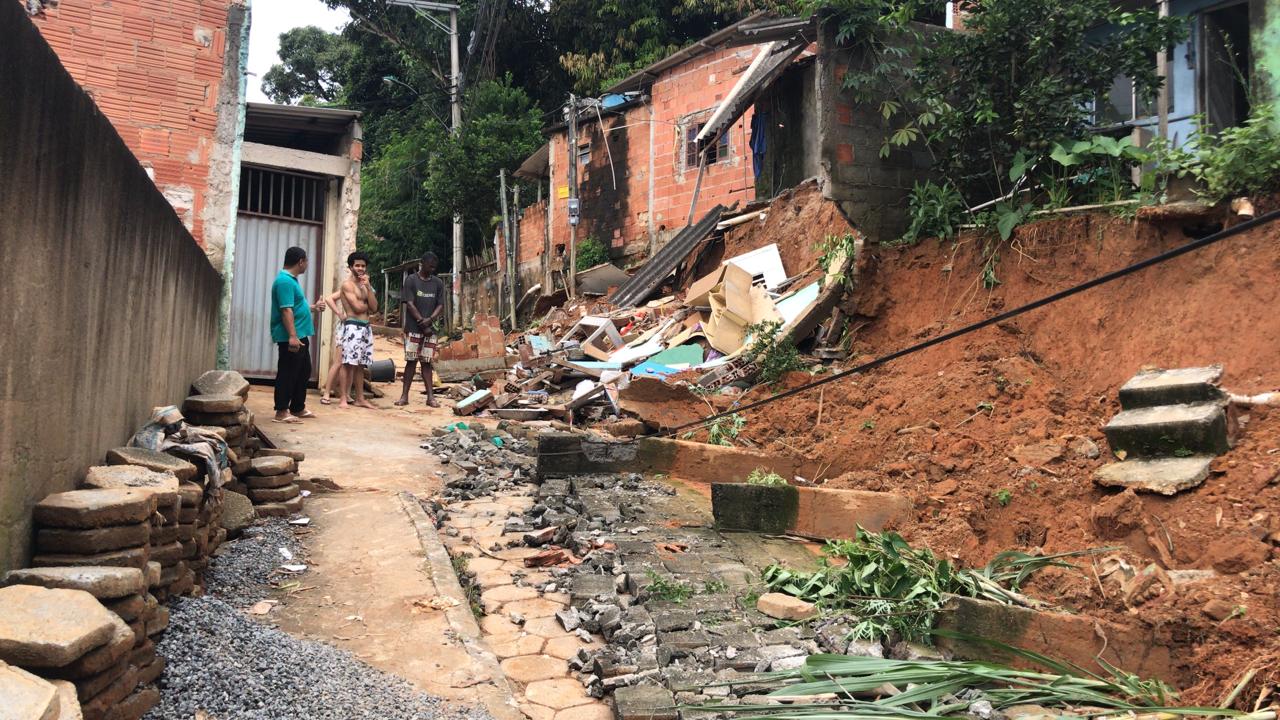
760	476
591	252
936	211
1237	161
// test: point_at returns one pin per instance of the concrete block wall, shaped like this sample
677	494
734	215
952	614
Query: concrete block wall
111	307
872	190
155	69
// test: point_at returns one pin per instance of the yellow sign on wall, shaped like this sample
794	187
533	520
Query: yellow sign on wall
562	192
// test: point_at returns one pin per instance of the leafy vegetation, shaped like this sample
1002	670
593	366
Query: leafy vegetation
936	211
1003	497
1236	161
760	476
590	253
723	431
828	687
890	587
772	356
835	249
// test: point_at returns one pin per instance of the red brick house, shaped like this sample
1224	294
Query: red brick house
772	88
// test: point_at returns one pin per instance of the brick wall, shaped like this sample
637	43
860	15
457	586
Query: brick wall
154	69
484	341
620	215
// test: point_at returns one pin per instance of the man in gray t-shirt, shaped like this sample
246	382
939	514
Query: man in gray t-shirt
421	302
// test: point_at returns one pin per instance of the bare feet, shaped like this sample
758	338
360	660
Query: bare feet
433	403
343	405
366	404
401	402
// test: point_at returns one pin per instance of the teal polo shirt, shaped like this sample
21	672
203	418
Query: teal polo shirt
287	293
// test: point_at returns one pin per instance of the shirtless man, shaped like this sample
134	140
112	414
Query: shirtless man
358	300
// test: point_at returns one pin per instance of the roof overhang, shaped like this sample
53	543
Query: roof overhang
774	57
756	28
295	126
536	166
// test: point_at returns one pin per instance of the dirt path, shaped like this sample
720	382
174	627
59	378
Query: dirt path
367	565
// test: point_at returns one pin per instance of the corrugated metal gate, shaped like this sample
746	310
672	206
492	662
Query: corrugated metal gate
277	211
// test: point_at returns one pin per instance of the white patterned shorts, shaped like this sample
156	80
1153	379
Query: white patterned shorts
419	347
357	344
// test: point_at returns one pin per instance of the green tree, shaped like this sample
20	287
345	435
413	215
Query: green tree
313	65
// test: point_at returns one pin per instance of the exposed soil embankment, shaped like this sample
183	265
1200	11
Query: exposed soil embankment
995	436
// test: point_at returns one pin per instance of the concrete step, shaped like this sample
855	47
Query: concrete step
1172	387
1170	430
1166	476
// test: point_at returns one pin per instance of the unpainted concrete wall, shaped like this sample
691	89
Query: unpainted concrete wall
111	308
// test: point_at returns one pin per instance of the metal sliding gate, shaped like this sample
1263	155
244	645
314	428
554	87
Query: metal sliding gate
277	210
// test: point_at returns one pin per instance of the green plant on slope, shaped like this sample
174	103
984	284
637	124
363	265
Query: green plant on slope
894	588
835	248
772	356
936	211
723	431
760	476
1003	497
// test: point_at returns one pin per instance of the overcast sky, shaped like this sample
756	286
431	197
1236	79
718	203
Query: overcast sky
272	17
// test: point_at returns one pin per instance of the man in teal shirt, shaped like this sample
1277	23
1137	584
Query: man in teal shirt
291	330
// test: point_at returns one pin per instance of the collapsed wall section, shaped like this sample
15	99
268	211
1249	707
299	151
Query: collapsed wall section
111	308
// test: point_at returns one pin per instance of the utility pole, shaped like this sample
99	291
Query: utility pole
506	240
455	105
514	253
571	281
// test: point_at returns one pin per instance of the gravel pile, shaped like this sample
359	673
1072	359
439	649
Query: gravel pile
242	572
234	668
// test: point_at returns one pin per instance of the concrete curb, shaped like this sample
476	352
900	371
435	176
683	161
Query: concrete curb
500	699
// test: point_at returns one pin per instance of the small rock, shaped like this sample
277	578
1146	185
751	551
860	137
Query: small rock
1218	609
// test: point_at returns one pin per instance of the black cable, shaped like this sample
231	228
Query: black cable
1087	285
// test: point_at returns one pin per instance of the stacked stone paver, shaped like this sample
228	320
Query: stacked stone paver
55	627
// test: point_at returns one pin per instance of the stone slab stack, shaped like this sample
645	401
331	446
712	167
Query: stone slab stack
217	401
270	482
65	633
94	527
165	545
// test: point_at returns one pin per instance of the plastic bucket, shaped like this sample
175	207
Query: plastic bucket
382	370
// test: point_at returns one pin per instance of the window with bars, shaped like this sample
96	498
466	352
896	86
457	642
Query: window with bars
280	194
719	151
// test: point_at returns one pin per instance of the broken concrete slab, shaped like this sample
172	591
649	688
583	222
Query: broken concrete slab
164	485
152	460
95	508
101	582
46	628
809	512
1166	430
25	696
1172	387
221	382
563	454
644	702
1166	476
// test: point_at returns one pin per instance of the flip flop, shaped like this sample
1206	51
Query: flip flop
325	401
306	414
291	420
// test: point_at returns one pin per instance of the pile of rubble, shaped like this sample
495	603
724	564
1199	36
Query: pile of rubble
580	360
673	599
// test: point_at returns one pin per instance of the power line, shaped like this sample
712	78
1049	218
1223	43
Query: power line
1048	299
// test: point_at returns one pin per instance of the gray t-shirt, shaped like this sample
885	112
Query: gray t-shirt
426	295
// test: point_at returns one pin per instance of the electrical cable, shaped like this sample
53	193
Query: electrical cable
1035	304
